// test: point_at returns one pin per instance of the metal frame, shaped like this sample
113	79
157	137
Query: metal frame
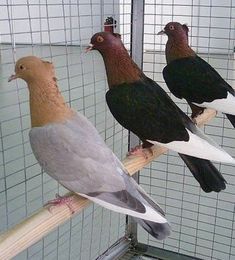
117	250
137	34
162	254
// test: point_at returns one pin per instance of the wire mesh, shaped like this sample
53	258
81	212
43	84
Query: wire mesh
56	31
203	224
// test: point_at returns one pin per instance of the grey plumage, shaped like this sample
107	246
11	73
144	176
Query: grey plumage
74	154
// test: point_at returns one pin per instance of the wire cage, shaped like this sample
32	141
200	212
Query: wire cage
59	31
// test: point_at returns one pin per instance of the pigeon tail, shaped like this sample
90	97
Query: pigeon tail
231	118
159	231
209	178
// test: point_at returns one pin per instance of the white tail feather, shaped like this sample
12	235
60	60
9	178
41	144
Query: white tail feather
150	214
225	105
198	147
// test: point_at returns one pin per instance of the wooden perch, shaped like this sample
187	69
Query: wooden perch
32	229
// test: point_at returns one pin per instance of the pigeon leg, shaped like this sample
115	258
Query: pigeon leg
141	150
61	200
196	111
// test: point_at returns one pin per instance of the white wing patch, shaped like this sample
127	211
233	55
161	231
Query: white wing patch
198	147
225	105
150	213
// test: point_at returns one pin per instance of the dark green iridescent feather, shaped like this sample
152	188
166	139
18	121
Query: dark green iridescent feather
195	80
145	109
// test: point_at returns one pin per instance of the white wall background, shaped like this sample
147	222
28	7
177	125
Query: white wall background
53	21
211	23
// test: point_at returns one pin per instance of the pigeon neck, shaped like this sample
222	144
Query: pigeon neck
178	49
47	104
120	68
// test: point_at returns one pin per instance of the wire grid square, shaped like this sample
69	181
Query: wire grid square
57	31
203	224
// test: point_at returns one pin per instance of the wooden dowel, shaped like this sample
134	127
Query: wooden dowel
33	228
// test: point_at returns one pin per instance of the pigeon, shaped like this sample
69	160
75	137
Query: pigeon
69	148
140	105
110	24
190	77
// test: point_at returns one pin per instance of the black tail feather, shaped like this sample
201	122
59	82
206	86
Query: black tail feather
205	173
158	230
231	118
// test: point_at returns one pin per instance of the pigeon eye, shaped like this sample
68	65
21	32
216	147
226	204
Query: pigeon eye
100	39
171	27
21	67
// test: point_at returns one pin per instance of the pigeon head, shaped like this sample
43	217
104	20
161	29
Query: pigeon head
120	68
47	105
175	30
31	68
177	45
104	41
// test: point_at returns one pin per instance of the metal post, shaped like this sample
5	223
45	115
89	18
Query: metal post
137	31
137	34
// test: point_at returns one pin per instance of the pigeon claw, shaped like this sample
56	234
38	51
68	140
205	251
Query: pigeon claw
138	151
61	200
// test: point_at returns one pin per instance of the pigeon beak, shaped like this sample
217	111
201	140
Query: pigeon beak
12	77
162	32
89	48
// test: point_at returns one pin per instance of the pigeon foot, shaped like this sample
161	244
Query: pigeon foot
139	151
61	200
